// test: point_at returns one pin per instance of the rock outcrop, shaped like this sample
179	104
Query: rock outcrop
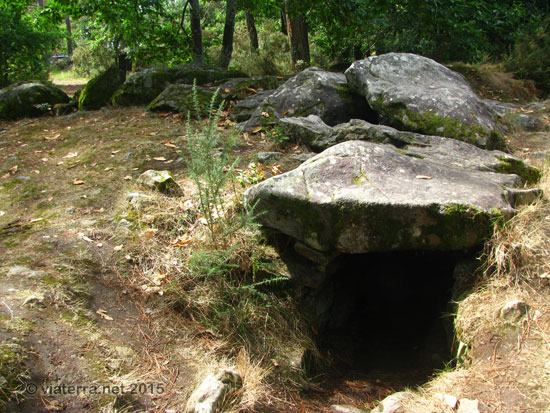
359	197
313	132
22	100
144	86
417	94
313	91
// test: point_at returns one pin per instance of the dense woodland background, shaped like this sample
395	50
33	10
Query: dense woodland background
268	36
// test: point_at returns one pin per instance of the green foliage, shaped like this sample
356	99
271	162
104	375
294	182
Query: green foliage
530	58
211	169
92	58
26	39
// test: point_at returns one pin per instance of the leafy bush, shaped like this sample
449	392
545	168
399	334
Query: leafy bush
530	58
92	58
25	44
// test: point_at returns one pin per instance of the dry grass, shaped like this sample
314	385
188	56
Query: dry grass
506	363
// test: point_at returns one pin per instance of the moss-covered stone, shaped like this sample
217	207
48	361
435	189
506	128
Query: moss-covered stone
181	99
527	173
143	87
429	123
29	99
100	89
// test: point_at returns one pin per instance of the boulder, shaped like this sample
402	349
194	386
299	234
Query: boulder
417	94
360	197
179	98
99	91
22	100
312	131
161	181
142	87
245	108
313	91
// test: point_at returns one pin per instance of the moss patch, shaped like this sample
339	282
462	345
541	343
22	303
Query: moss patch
528	174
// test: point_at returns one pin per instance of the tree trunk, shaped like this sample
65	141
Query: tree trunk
69	36
252	32
283	21
229	29
196	32
299	42
41	4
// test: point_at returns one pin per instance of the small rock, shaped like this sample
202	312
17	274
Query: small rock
528	123
449	400
19	271
514	311
129	156
161	181
88	222
213	389
124	224
70	210
519	197
266	157
37	274
345	408
34	299
393	403
138	199
468	406
540	156
23	178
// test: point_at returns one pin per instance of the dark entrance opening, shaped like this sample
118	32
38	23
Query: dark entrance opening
390	325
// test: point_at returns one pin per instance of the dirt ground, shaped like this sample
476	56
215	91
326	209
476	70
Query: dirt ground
81	324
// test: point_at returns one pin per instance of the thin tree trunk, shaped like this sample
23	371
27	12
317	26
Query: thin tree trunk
299	42
252	32
196	33
283	21
229	29
69	36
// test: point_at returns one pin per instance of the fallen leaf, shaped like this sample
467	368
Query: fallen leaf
104	314
182	241
6	176
545	275
256	129
44	159
84	237
32	221
36	171
78	182
52	138
150	133
169	144
108	168
423	177
115	152
151	232
93	164
159	158
128	177
169	161
118	247
71	155
99	245
265	114
14	168
157	278
2	213
60	163
227	90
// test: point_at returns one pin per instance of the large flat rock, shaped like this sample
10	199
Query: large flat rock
359	197
417	94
